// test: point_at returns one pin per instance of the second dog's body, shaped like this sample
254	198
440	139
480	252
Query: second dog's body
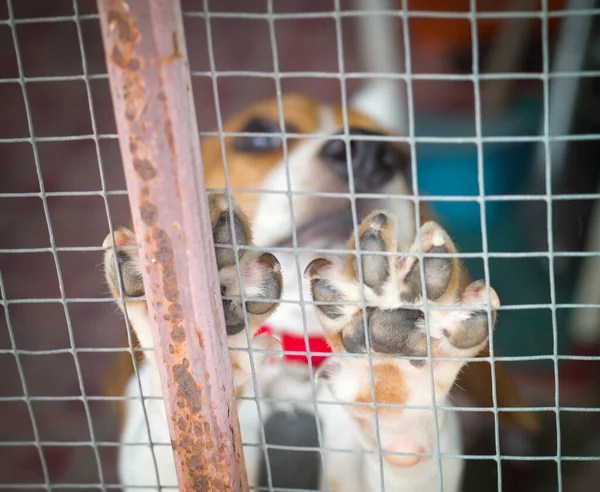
380	173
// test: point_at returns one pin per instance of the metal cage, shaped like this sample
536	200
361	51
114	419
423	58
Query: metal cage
162	61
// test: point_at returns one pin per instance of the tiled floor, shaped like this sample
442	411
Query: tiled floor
60	108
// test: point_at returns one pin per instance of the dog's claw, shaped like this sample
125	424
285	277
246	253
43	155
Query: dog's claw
223	229
437	270
271	287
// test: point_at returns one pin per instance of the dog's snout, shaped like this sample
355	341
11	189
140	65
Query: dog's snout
373	161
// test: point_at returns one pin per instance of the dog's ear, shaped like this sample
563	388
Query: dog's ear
476	380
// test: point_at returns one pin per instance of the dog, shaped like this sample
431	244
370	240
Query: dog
302	397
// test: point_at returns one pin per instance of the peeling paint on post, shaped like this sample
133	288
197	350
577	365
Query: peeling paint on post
151	88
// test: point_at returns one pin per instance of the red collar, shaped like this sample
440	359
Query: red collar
297	343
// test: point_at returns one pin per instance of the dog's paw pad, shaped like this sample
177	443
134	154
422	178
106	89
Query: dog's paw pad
223	229
397	331
391	331
261	279
259	274
234	317
322	289
438	271
472	330
374	235
125	264
269	285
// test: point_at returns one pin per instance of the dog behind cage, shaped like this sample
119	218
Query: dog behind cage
344	218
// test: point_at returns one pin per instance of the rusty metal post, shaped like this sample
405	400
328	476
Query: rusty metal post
151	89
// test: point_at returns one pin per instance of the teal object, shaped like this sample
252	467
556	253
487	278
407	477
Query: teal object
451	169
520	332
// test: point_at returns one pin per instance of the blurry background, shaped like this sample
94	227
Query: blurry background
68	158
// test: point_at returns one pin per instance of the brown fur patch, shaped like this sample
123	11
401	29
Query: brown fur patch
120	373
455	285
389	387
249	171
360	120
335	341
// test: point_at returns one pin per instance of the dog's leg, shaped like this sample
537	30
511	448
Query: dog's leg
260	276
393	292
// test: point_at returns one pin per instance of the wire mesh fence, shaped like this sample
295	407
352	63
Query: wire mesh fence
63	191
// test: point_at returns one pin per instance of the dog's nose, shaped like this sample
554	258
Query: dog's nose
373	162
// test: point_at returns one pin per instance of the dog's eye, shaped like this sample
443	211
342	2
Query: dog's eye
267	136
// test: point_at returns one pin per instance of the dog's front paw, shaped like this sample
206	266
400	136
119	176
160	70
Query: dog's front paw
394	288
393	291
260	272
260	279
261	284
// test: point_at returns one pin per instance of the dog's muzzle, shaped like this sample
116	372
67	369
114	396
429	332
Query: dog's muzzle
373	163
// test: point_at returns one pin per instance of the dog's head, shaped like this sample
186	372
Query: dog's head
312	167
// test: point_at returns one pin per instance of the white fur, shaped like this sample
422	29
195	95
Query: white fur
136	463
424	476
273	218
415	426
